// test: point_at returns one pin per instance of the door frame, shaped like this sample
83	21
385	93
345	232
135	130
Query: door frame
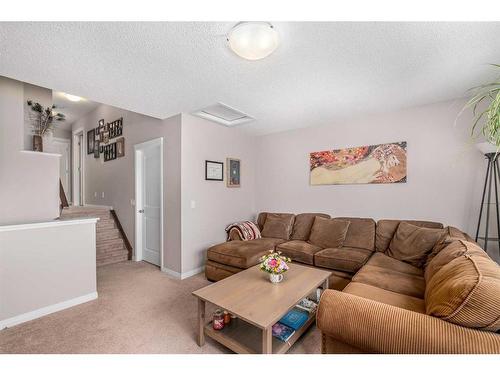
76	133
138	170
70	155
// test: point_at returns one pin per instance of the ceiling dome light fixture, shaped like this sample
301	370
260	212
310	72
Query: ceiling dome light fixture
253	40
73	98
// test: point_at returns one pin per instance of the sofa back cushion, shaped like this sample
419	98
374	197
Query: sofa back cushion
453	249
361	233
412	244
278	226
451	234
466	290
387	228
328	233
303	224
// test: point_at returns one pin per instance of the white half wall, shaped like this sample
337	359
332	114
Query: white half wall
46	267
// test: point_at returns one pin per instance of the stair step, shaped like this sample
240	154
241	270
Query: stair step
108	234
114	243
111	260
111	253
108	251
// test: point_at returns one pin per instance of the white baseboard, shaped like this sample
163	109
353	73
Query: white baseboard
184	275
97	206
46	310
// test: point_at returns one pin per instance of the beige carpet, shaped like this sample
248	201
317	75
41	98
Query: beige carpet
139	310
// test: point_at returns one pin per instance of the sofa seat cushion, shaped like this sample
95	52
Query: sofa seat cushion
384	261
299	251
394	281
386	296
387	228
242	254
412	244
466	290
327	233
303	224
348	259
278	226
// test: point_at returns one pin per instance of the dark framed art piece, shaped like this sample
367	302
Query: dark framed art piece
110	152
97	149
116	128
90	141
120	147
214	170
233	172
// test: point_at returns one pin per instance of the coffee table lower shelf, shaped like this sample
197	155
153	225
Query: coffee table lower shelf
243	338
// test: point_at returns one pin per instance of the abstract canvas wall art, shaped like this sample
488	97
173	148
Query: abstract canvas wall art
375	164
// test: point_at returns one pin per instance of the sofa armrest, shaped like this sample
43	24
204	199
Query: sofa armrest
376	327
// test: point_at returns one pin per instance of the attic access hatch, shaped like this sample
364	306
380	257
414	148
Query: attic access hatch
224	115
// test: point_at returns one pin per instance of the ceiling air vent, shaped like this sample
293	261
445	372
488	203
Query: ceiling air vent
223	114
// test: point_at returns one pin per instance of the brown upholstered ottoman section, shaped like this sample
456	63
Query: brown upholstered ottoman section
242	254
348	259
299	251
216	271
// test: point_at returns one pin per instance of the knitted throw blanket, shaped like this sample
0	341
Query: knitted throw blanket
246	229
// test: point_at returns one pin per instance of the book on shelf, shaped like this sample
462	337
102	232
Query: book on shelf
295	318
282	332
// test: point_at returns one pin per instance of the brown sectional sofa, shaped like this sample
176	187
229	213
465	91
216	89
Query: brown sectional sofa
384	298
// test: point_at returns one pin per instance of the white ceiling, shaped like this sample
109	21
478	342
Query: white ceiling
320	72
71	110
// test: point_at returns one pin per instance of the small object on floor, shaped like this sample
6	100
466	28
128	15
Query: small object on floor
227	318
218	320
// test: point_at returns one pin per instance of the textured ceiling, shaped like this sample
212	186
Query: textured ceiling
320	72
72	110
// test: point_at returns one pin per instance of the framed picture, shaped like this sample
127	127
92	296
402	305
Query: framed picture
90	141
110	152
116	128
214	170
105	136
101	125
120	147
233	172
96	149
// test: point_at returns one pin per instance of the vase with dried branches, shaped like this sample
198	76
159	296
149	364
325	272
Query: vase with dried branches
42	121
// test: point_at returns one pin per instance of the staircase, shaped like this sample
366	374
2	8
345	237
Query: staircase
110	245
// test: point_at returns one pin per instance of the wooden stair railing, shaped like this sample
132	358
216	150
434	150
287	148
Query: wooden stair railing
122	232
62	196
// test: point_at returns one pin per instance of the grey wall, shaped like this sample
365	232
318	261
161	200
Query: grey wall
216	205
444	168
115	178
29	182
36	271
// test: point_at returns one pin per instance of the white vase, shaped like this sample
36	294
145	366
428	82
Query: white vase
275	278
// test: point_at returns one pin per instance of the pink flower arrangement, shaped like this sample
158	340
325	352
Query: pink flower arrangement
274	263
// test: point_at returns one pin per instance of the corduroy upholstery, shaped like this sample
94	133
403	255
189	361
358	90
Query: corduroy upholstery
375	327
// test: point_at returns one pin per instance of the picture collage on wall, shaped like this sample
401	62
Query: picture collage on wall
214	171
98	140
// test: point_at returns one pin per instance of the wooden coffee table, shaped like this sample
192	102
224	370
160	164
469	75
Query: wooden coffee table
258	304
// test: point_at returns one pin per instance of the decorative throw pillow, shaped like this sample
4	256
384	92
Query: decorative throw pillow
328	233
466	290
278	226
412	244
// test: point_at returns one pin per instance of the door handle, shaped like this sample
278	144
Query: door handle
141	211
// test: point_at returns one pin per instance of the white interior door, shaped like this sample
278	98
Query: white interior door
149	201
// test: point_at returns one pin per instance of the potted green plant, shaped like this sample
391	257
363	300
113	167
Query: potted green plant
42	121
486	120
